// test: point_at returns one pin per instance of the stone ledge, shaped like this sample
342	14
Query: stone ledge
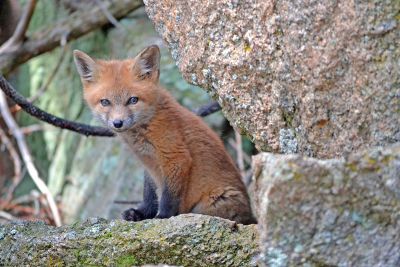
188	240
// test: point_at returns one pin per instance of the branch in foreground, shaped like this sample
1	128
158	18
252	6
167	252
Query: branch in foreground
76	25
71	125
49	118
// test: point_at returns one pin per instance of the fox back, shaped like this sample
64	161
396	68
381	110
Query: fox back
187	167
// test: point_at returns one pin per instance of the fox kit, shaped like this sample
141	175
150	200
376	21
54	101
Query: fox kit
187	167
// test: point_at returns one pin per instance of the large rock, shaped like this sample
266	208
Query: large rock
330	212
188	240
316	77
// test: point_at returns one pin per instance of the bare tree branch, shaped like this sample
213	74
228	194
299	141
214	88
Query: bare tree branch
35	128
32	196
49	118
27	158
126	202
17	165
71	125
76	25
17	38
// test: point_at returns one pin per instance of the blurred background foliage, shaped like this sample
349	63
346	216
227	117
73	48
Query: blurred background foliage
88	174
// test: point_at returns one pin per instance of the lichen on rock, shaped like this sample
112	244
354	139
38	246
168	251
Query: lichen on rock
185	240
325	70
339	212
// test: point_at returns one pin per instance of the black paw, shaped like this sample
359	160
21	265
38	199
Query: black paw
132	215
163	216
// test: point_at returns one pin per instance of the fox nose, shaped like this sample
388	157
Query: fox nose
118	123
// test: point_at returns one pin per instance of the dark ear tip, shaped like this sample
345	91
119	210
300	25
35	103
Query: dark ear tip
154	49
78	54
154	46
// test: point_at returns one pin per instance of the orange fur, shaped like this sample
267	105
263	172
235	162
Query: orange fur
175	146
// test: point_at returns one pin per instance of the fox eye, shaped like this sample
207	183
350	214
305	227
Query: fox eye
133	100
105	102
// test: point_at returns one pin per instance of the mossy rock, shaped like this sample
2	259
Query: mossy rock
185	240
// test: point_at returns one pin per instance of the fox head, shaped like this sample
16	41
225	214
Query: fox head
121	93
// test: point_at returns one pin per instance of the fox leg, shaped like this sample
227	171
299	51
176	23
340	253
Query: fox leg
169	204
175	168
147	209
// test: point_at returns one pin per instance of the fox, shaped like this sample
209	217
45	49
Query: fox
187	169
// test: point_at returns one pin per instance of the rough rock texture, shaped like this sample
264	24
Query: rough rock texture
188	240
317	77
330	212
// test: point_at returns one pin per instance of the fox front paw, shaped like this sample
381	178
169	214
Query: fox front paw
133	215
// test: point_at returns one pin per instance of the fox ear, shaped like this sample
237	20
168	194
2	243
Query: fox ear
86	66
147	63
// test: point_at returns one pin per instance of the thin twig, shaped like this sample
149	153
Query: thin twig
27	158
36	202
31	128
27	198
40	92
246	157
239	153
126	202
241	158
35	128
32	197
41	202
17	165
15	109
7	216
109	16
19	34
20	209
